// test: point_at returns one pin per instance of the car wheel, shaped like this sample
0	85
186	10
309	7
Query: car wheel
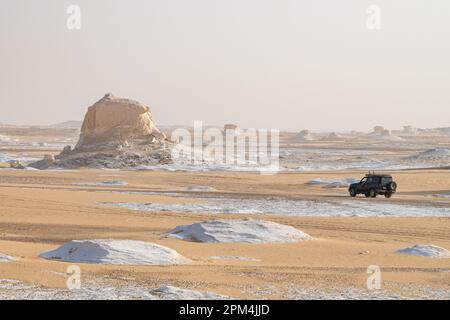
372	193
352	192
392	186
388	195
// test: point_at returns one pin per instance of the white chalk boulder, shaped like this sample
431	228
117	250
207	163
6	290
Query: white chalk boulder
426	250
245	231
122	252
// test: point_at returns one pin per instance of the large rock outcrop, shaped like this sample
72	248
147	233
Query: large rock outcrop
116	133
115	121
304	135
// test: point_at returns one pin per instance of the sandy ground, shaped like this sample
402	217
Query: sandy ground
41	210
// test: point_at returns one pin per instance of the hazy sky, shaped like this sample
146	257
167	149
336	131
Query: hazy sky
292	64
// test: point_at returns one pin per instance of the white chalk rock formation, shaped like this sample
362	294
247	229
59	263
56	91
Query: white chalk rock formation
116	133
6	258
436	154
333	136
244	231
304	135
121	252
382	134
333	183
425	250
175	293
45	163
378	129
200	188
409	130
116	120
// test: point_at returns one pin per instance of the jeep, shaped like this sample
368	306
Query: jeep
374	184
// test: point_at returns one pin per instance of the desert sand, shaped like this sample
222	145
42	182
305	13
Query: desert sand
138	223
42	210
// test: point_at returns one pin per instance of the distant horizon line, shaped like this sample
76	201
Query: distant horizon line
221	125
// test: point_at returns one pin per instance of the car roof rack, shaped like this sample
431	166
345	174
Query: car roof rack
373	174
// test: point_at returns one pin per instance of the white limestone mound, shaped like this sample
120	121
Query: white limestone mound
378	130
112	183
380	133
200	188
304	135
435	154
18	290
43	164
10	158
332	183
333	136
319	181
71	124
114	119
245	231
426	250
444	131
116	133
241	258
409	130
175	293
4	139
6	258
120	252
443	195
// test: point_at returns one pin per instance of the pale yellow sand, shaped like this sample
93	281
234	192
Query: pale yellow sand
40	210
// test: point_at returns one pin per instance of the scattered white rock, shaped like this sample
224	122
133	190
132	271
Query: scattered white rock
45	163
443	195
333	183
17	290
113	183
409	130
318	181
426	250
304	135
234	258
364	252
4	139
280	206
125	252
380	133
6	258
245	230
7	158
174	293
199	188
333	136
436	154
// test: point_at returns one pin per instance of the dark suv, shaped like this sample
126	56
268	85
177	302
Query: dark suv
374	184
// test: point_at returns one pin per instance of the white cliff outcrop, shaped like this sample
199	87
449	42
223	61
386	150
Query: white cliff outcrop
116	121
116	133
